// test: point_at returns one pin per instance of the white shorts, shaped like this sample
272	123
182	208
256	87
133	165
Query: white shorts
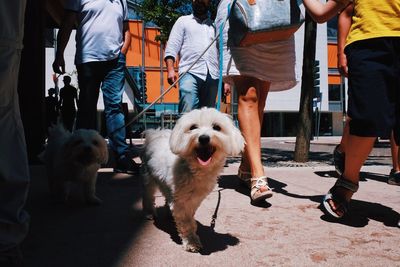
273	61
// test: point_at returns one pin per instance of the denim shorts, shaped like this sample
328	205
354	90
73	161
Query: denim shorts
374	87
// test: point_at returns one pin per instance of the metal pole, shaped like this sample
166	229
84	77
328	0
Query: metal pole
143	69
161	71
343	99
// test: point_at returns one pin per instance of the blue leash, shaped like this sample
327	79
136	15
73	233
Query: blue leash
221	58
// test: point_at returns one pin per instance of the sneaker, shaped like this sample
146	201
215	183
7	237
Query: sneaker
127	165
11	258
338	160
394	177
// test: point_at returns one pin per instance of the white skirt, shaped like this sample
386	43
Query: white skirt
273	61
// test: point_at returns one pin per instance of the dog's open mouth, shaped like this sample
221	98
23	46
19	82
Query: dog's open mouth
204	154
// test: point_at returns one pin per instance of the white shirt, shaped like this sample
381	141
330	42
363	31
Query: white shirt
189	37
99	35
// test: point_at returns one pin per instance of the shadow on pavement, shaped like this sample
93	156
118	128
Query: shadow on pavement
75	234
359	214
232	182
364	176
211	240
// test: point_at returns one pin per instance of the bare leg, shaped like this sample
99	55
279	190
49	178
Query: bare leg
345	136
357	152
252	94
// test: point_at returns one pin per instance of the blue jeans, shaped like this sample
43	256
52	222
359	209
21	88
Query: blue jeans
109	75
195	93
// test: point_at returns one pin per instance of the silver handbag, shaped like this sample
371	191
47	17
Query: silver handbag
260	21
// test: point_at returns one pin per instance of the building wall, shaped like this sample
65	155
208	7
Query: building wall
289	100
149	56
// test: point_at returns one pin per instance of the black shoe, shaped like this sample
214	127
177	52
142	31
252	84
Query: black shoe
127	165
11	258
394	177
134	151
338	160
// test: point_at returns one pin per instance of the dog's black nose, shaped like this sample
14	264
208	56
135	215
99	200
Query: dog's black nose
204	139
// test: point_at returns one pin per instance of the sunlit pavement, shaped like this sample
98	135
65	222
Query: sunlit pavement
288	230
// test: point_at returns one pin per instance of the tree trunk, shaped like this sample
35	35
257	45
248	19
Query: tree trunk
303	137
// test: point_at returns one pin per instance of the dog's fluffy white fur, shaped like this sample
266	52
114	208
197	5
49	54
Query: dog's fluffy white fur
74	157
185	164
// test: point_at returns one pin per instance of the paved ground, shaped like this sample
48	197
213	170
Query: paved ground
288	230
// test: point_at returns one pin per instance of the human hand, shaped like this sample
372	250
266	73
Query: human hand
342	64
171	76
59	65
227	89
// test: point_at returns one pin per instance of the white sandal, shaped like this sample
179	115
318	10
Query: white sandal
260	190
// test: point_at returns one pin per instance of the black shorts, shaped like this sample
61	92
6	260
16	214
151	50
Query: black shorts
374	87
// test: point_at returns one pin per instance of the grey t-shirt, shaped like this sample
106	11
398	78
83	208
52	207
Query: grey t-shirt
99	35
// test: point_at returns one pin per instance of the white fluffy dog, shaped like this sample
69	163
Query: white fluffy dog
185	164
74	157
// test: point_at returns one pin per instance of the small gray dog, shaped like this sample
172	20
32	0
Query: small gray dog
185	164
74	157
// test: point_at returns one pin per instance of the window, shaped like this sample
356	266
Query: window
332	29
334	92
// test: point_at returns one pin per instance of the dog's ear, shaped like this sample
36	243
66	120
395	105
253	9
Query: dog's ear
237	141
177	141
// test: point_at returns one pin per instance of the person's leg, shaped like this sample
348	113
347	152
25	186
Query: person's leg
90	76
113	88
394	178
372	112
67	116
14	171
188	93
208	92
345	136
263	93
338	152
394	148
251	101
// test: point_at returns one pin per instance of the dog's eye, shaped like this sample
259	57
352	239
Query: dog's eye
216	127
95	142
193	127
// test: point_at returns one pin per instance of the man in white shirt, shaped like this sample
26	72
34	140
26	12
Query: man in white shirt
189	37
102	40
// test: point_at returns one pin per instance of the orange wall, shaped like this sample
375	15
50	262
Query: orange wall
152	61
332	64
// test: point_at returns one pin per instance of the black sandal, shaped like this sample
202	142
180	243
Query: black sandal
341	203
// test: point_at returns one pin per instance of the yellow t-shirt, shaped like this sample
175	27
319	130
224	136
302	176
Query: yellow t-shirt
373	19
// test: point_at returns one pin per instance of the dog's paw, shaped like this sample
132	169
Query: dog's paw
192	244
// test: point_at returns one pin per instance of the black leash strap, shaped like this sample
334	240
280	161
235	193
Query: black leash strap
214	217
